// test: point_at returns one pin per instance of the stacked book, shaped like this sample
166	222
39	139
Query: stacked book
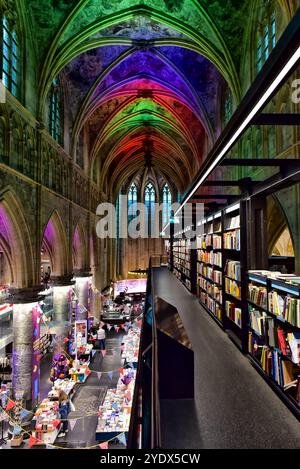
257	295
286	307
232	240
233	270
234	313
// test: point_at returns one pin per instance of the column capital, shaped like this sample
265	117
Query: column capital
62	280
25	295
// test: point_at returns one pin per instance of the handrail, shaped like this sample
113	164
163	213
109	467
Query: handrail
155	410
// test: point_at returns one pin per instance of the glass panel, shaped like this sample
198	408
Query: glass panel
150	205
259	56
5	79
166	204
273	29
266	42
132	202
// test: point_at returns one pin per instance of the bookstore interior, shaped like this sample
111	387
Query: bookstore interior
149	225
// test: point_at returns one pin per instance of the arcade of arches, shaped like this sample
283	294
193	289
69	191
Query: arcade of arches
106	98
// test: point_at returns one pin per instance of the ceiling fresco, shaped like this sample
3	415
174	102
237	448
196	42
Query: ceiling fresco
142	77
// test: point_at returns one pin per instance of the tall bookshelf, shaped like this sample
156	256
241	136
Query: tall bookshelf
274	331
234	264
209	267
259	310
182	264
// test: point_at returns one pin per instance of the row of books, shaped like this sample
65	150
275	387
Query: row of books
205	270
213	258
275	335
233	270
217	242
182	269
210	273
213	306
282	371
257	321
258	295
234	313
213	290
205	241
232	288
232	240
286	307
232	223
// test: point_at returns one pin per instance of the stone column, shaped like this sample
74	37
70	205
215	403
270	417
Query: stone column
82	291
61	298
24	301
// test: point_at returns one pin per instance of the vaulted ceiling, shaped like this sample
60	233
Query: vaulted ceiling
143	77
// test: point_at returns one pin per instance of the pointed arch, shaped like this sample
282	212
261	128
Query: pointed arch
79	248
16	240
55	243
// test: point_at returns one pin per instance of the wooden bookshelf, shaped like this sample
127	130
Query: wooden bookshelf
273	333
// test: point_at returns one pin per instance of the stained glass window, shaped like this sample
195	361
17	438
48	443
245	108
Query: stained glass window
10	58
259	56
266	42
132	202
55	112
167	203
273	30
150	205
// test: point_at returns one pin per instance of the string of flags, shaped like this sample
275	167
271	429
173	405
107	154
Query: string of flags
72	421
33	440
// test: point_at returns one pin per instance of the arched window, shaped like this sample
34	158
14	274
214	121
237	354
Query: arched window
167	203
266	40
132	202
10	58
150	206
55	120
228	107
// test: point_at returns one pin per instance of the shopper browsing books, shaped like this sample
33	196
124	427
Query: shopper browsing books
64	410
101	336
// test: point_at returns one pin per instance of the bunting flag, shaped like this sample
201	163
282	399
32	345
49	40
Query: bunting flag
99	374
72	424
32	441
117	329
24	414
17	430
103	353
121	370
109	327
110	375
10	405
66	340
94	353
104	445
122	439
122	326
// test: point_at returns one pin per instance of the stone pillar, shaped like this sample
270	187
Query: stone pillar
24	335
61	299
82	291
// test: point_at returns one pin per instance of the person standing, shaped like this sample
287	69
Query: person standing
64	410
101	336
